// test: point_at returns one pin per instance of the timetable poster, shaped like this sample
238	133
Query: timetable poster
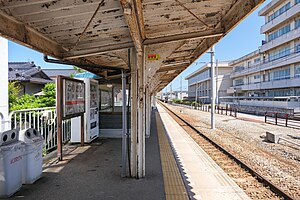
74	103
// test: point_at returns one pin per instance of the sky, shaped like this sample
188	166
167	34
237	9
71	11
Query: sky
243	39
19	53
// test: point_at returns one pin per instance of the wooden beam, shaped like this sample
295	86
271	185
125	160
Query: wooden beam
27	36
239	11
133	23
165	69
97	50
174	38
203	47
140	17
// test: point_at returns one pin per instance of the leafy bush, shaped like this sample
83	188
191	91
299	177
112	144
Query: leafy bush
27	101
177	101
13	93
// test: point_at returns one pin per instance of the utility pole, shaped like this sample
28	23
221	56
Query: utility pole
171	91
213	88
180	88
196	96
217	77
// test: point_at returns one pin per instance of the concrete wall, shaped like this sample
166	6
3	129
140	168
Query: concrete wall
30	88
278	104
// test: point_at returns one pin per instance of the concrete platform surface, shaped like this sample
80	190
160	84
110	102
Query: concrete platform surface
93	172
204	178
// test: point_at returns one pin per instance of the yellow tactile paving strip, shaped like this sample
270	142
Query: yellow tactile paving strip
174	186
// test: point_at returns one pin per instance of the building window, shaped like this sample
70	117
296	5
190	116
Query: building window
239	68
257	60
297	47
297	71
256	76
238	82
199	77
280	32
280	11
297	23
279	53
281	74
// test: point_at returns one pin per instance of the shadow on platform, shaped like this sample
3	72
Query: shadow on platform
93	172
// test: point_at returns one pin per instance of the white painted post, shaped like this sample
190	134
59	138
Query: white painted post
134	113
154	101
4	83
213	88
141	114
148	112
138	118
124	127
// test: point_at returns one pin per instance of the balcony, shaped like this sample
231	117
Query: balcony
284	83
292	35
281	19
287	60
269	7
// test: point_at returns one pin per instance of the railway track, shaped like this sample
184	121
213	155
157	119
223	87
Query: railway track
252	182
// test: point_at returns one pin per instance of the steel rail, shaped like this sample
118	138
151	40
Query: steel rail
277	190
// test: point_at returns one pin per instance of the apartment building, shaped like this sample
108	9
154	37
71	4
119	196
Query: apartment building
199	86
270	76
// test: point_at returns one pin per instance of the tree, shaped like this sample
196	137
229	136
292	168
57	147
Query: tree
49	97
27	101
14	90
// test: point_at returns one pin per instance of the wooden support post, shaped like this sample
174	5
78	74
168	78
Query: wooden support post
124	126
148	112
141	114
286	119
134	112
138	118
59	104
235	111
276	118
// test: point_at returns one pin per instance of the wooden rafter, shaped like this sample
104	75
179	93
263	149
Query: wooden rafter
179	37
133	23
27	36
97	50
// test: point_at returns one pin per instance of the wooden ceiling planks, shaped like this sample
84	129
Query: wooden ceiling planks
101	31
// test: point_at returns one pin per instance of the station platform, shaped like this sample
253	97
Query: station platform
204	179
93	171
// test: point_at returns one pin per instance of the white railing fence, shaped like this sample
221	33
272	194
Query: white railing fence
2	122
42	119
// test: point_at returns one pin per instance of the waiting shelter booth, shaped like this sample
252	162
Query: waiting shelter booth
110	109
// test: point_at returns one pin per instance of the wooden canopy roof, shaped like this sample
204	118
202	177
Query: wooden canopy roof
171	34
